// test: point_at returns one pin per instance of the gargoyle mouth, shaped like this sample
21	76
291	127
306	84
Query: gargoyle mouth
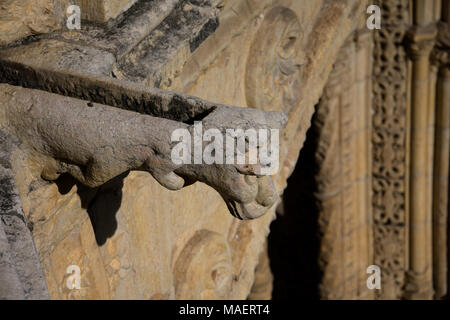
266	198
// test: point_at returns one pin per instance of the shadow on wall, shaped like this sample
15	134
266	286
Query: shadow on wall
294	236
102	203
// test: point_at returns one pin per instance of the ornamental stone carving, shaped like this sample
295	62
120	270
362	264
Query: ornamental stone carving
277	47
203	268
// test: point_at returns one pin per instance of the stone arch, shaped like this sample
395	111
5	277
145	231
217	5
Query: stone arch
331	182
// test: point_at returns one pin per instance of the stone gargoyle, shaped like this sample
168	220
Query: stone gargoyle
95	142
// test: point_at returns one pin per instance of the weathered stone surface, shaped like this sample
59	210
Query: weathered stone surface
62	56
325	26
263	283
11	286
21	274
21	18
103	10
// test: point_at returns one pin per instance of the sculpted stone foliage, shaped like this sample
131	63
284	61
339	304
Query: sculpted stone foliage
21	275
440	54
202	269
389	145
276	46
440	57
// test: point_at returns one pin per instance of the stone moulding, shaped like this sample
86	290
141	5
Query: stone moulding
162	53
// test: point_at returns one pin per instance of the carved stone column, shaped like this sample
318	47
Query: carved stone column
263	283
440	187
419	276
441	163
363	88
21	275
389	145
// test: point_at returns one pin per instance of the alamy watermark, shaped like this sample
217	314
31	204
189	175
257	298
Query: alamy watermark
374	281
74	17
73	281
232	146
374	20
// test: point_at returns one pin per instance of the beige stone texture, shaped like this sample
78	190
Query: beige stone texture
103	10
21	18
